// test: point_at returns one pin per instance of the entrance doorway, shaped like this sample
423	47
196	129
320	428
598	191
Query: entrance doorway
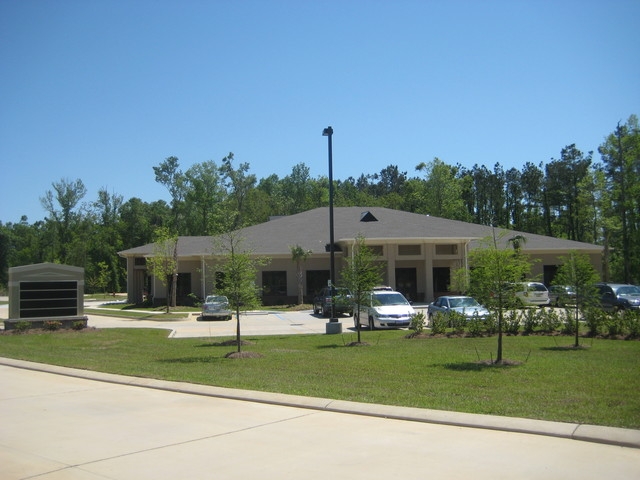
406	283
441	280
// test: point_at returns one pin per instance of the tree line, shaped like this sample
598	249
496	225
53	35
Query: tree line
575	196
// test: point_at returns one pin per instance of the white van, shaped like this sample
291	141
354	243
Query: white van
384	309
532	293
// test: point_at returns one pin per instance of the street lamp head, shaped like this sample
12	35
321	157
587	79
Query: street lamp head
327	132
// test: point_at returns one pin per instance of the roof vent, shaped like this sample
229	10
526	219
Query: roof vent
367	217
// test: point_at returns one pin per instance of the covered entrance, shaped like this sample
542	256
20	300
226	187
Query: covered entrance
407	283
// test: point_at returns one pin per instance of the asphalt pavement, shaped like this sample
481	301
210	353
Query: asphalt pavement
60	423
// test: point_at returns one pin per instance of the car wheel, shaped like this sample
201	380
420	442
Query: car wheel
325	313
371	324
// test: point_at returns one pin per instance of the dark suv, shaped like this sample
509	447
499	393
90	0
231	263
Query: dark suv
618	296
342	298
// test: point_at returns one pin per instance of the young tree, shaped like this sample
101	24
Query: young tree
164	262
493	267
239	269
299	255
361	274
578	272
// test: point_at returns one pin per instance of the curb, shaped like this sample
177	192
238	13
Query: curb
622	437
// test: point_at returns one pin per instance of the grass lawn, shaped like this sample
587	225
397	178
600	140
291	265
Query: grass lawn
596	385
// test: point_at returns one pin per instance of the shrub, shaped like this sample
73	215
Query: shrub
438	324
22	326
632	323
475	326
549	320
78	325
614	324
491	325
530	320
458	322
51	325
569	323
512	322
595	319
417	323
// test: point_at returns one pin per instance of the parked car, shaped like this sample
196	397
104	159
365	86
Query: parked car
532	293
216	306
343	302
467	306
384	309
561	295
617	296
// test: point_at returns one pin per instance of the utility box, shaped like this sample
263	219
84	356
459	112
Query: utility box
46	291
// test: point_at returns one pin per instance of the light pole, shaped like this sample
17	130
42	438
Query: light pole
328	132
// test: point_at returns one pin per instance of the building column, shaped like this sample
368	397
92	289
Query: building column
428	272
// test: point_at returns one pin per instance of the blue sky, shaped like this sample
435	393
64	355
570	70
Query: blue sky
105	90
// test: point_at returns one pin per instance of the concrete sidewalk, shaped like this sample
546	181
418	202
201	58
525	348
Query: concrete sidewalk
60	423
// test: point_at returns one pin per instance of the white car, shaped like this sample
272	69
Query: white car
532	293
384	309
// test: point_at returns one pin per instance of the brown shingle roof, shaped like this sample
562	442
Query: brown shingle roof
310	230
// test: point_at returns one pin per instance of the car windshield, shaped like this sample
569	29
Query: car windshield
389	299
537	287
341	292
463	302
630	290
215	299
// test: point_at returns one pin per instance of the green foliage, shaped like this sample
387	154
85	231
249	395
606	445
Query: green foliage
418	323
491	325
239	269
595	318
475	326
361	273
78	325
163	264
457	322
631	322
530	320
299	255
512	322
550	321
493	268
22	326
439	323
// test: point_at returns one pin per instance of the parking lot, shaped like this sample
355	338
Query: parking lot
251	323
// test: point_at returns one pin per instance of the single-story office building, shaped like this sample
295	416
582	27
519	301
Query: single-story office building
419	253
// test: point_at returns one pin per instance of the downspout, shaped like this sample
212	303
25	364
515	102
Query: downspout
466	260
203	280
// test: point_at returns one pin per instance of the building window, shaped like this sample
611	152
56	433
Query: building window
140	261
274	283
409	250
447	249
376	250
